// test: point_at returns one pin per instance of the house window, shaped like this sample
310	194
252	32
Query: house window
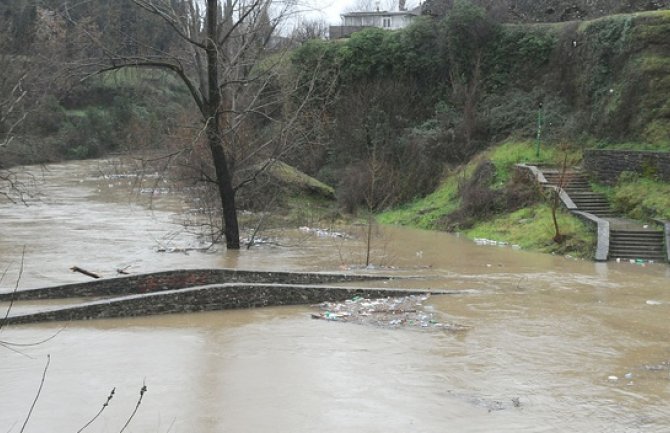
386	23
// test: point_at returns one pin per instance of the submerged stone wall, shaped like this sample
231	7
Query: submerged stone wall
605	166
177	279
207	298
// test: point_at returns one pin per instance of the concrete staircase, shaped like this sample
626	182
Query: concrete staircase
628	239
637	244
577	186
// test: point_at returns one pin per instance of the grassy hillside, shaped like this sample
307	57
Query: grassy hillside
530	227
603	83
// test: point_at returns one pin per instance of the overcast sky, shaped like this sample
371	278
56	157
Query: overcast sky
330	10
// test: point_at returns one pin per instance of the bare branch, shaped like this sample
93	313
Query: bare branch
104	406
37	396
16	287
137	406
172	19
153	64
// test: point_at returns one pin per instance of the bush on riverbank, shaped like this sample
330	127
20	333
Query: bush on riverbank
532	228
107	114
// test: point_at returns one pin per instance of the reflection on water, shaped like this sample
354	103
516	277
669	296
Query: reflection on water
548	335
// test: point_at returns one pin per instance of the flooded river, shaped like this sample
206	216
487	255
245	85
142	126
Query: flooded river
555	344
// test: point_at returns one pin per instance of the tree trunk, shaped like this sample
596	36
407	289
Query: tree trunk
223	176
227	194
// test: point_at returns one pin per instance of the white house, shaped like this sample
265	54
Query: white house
382	19
388	20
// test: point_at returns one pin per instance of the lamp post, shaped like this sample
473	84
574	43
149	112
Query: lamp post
539	131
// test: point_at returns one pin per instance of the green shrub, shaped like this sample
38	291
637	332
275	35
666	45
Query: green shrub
640	197
532	228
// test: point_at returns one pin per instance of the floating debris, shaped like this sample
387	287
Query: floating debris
400	312
663	366
322	233
154	191
491	242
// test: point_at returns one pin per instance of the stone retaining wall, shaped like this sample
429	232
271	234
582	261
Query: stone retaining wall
207	298
605	166
177	279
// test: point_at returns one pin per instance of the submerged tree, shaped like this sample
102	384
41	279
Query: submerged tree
229	58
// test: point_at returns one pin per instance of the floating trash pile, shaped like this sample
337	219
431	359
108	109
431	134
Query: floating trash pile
322	233
484	241
400	312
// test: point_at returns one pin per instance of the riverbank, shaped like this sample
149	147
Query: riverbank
485	199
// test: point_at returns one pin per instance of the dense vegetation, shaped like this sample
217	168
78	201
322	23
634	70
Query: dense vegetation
391	115
445	91
63	115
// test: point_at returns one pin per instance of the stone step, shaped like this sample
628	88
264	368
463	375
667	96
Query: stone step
600	208
587	201
637	244
651	243
589	194
656	242
637	247
651	246
636	255
637	234
567	181
626	257
596	209
568	176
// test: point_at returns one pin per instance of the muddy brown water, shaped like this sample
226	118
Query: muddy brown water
555	344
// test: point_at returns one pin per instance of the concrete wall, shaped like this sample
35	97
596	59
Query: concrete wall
605	166
177	279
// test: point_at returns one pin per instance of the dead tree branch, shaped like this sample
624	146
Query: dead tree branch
104	406
16	286
137	406
85	272
37	395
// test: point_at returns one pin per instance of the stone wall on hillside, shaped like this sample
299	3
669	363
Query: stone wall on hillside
605	166
562	10
550	10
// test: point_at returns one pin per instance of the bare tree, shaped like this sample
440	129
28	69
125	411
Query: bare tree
231	62
469	31
378	5
15	76
307	29
11	115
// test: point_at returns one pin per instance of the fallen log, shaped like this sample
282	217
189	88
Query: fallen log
84	271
